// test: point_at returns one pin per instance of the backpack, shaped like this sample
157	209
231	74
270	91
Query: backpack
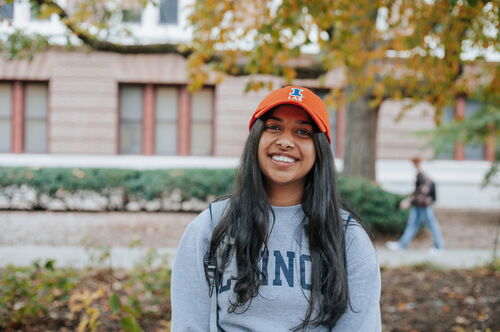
425	188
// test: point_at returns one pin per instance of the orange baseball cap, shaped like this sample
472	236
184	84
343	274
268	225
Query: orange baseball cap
302	97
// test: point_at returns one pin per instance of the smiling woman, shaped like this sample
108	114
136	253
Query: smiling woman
282	252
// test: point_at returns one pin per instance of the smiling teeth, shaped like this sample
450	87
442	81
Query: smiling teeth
283	159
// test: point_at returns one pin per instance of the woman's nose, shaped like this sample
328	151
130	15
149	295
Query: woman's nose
285	144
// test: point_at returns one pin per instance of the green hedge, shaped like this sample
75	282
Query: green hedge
378	208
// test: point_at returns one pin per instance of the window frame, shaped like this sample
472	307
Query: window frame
148	126
459	150
18	115
160	23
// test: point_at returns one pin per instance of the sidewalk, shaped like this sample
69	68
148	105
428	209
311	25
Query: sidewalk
26	236
452	258
123	257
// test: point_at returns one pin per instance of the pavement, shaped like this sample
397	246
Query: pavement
124	257
452	258
26	236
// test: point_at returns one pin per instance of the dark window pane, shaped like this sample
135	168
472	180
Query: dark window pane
6	9
448	116
166	138
130	119
473	151
201	139
5	116
131	16
201	122
34	16
168	11
166	120
36	136
35	118
130	137
131	11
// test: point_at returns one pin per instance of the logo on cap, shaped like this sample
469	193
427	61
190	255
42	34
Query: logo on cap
296	94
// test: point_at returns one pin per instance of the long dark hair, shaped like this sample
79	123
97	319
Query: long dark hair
246	221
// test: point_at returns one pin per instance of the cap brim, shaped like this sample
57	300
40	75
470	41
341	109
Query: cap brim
265	109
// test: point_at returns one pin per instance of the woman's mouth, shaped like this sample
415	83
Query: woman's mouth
283	161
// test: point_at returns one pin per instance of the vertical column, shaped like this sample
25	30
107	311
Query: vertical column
215	130
339	134
148	121
460	115
183	142
17	118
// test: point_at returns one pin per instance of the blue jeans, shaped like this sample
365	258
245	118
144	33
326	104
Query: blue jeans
417	215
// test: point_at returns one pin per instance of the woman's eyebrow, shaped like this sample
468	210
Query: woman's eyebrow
305	122
275	118
299	121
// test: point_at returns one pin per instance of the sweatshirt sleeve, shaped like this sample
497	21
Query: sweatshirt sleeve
363	272
189	287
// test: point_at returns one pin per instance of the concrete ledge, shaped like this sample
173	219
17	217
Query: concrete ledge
447	259
74	256
123	257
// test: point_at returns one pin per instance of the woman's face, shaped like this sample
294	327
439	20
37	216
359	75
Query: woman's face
286	149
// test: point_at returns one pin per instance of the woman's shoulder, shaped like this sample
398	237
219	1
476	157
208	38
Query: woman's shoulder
204	223
358	243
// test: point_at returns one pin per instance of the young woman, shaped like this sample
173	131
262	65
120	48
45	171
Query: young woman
287	256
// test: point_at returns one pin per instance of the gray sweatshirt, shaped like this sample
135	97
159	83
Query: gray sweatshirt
282	300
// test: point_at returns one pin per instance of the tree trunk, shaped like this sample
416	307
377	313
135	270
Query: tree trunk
361	138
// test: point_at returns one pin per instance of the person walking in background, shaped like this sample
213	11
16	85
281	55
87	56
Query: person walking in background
282	253
421	201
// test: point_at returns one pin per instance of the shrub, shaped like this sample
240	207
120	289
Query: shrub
378	208
27	293
112	189
95	299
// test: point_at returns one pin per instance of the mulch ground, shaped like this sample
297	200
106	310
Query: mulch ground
414	299
425	299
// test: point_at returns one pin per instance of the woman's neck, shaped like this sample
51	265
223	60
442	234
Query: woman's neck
287	195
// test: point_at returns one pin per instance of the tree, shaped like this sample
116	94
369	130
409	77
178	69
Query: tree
381	48
385	49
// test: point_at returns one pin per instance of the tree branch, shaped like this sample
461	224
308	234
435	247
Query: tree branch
102	45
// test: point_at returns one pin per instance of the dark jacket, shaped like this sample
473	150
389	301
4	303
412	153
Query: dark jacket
425	191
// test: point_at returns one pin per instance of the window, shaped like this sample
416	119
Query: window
165	120
23	117
474	151
34	16
168	11
35	118
131	11
6	9
5	117
201	122
447	117
130	119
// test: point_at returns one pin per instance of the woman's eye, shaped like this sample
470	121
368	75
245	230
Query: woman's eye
272	127
304	132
